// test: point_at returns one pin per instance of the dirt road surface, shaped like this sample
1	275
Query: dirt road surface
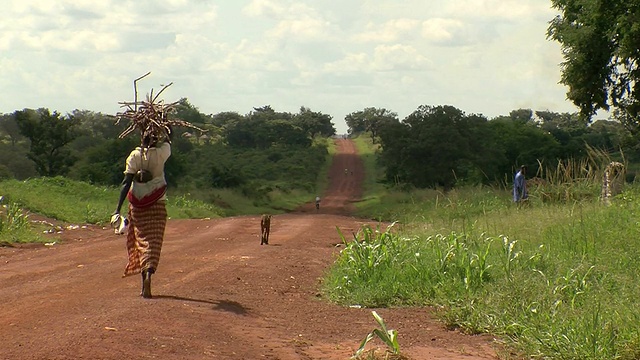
218	294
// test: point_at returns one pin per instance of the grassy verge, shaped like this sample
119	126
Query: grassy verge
14	225
549	280
374	190
79	202
278	199
323	178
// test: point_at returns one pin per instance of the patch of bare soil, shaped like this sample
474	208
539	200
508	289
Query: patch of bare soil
218	294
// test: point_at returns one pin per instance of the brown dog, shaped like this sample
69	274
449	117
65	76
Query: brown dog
265	228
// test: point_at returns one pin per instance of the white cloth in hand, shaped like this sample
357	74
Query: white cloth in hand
115	220
120	224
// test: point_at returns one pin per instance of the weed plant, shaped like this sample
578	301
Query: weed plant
550	280
14	224
388	336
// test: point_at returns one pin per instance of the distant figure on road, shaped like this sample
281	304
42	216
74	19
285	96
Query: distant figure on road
317	202
346	171
520	185
265	229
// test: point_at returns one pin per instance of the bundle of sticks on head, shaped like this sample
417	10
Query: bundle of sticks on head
152	117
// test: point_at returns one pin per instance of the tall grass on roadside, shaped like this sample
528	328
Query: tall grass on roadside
14	224
573	179
550	280
570	180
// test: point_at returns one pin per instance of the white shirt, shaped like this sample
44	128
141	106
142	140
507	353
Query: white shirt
153	160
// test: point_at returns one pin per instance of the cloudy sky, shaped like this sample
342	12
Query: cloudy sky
337	57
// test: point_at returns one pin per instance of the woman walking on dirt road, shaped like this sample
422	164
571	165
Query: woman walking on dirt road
145	187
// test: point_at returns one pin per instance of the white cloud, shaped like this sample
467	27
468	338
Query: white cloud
514	10
384	57
487	56
267	8
390	31
294	20
352	62
439	30
398	58
304	29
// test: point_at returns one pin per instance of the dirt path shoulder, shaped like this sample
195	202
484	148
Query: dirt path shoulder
218	294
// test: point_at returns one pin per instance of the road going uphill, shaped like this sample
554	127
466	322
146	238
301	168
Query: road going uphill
218	294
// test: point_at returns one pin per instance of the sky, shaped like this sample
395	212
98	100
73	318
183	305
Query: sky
482	56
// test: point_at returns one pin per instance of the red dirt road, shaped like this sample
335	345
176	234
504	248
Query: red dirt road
218	294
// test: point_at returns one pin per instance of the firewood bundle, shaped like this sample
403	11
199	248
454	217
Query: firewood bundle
151	117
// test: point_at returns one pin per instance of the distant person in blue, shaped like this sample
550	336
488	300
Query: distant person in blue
520	185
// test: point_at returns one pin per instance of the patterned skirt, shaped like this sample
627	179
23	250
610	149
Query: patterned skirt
144	237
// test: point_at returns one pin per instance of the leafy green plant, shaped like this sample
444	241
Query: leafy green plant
509	255
14	224
389	337
13	219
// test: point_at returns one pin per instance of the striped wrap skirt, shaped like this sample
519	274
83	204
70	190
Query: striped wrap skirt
144	237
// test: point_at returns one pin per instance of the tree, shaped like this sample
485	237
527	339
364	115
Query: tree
434	146
370	119
49	134
98	125
104	162
609	135
355	122
314	123
226	117
264	128
522	115
186	111
601	67
15	159
9	127
516	143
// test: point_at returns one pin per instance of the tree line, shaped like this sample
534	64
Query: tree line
441	146
255	152
263	150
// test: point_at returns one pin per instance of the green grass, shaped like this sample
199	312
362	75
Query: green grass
374	190
323	180
550	281
276	201
280	198
14	224
79	202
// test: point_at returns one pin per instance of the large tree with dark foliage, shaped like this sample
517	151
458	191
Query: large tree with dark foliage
50	135
434	146
9	127
442	146
601	67
264	128
370	119
314	123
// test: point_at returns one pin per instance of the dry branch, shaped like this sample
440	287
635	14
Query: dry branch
151	117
